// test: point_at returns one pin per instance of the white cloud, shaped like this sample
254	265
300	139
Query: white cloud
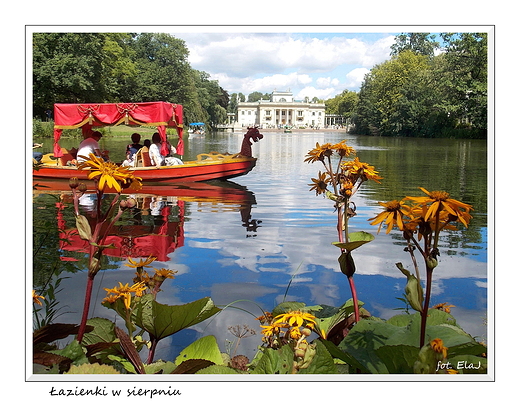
310	65
355	77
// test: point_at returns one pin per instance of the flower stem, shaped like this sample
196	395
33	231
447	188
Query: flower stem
426	305
86	307
151	353
354	298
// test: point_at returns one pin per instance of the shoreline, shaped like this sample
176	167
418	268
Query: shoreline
273	130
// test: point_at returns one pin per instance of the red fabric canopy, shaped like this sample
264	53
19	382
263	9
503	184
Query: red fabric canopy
87	115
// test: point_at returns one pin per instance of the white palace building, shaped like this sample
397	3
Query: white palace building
281	110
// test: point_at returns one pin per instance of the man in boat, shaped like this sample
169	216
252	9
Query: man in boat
132	149
91	146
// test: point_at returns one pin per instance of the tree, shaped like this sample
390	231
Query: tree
79	67
462	74
419	43
385	96
255	97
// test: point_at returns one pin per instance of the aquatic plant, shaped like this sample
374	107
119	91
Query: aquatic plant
422	219
339	183
105	175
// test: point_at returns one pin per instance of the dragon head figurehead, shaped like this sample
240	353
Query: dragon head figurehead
252	134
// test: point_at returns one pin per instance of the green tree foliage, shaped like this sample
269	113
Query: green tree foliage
419	43
86	67
343	104
418	94
113	67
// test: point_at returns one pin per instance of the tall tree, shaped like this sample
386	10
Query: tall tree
383	94
419	43
463	76
79	67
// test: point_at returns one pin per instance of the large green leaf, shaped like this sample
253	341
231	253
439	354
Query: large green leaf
355	240
279	361
103	331
204	348
161	320
322	362
391	346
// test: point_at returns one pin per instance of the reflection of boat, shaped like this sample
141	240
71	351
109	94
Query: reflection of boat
160	114
155	226
211	191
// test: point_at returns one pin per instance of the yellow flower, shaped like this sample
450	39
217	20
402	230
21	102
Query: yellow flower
296	318
438	346
165	273
319	153
109	174
294	333
136	288
319	184
361	170
342	149
36	298
440	200
141	263
270	330
392	216
125	292
111	298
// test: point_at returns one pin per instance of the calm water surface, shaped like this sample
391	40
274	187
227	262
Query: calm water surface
268	239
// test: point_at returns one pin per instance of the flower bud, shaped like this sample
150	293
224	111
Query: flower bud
82	187
131	203
306	332
73	182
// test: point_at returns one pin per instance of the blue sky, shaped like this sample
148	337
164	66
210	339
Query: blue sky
312	64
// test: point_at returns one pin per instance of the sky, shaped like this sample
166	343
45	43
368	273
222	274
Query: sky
321	64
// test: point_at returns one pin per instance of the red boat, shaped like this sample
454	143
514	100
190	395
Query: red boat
158	114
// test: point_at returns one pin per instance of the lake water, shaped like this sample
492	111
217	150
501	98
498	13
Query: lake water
269	238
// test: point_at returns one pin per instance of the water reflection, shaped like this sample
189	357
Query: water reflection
274	244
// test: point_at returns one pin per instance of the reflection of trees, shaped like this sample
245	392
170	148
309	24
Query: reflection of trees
457	167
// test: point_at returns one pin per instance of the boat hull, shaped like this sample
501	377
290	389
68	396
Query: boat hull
205	170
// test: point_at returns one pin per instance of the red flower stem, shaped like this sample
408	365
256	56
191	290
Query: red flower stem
426	305
354	298
151	352
86	307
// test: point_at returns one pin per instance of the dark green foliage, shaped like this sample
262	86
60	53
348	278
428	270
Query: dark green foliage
122	67
417	94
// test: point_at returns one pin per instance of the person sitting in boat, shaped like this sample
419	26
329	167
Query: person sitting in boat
91	146
132	149
157	158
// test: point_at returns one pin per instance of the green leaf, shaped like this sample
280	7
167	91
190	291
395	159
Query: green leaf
322	362
103	331
346	264
388	347
216	369
73	351
204	348
160	366
161	320
355	240
287	306
279	361
94	368
83	227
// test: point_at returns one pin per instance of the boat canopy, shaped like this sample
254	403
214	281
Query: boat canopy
88	115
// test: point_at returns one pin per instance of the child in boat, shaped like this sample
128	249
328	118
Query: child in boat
132	149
